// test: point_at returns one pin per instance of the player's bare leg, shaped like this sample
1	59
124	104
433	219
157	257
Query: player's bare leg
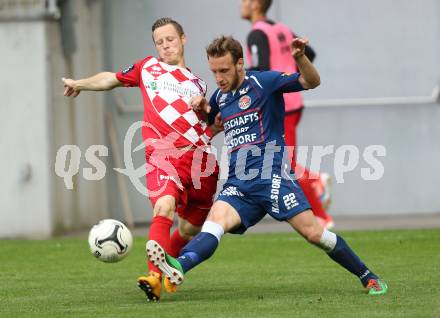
338	250
307	226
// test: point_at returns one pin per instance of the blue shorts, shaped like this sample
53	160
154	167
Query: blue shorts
282	198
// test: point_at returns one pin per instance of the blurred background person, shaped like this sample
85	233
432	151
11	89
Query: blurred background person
268	48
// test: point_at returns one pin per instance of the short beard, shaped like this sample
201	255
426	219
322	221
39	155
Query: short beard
234	85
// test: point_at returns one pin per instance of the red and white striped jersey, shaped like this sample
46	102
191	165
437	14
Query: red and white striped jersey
166	91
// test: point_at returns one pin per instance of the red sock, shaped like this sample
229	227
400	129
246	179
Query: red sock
160	232
307	187
177	243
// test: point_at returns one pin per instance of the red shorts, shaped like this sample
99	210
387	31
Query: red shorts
291	122
191	179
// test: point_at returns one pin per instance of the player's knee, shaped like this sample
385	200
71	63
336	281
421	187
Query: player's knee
188	231
219	217
313	235
187	236
224	214
164	209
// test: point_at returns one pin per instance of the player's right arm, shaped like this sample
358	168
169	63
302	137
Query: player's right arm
103	81
211	113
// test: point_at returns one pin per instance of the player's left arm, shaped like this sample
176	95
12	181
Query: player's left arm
309	77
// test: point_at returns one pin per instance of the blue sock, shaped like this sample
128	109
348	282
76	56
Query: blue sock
199	249
344	256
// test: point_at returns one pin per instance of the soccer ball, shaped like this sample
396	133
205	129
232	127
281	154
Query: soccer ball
110	241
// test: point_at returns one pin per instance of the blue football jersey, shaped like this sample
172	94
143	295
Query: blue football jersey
253	117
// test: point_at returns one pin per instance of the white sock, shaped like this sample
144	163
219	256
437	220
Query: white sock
214	229
328	241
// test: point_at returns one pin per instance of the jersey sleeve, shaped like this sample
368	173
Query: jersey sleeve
310	53
282	82
130	76
258	45
215	109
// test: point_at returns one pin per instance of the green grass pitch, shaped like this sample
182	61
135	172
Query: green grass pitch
258	275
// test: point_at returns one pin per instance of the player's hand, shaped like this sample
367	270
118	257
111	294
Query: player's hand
70	87
218	123
217	126
200	104
298	47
